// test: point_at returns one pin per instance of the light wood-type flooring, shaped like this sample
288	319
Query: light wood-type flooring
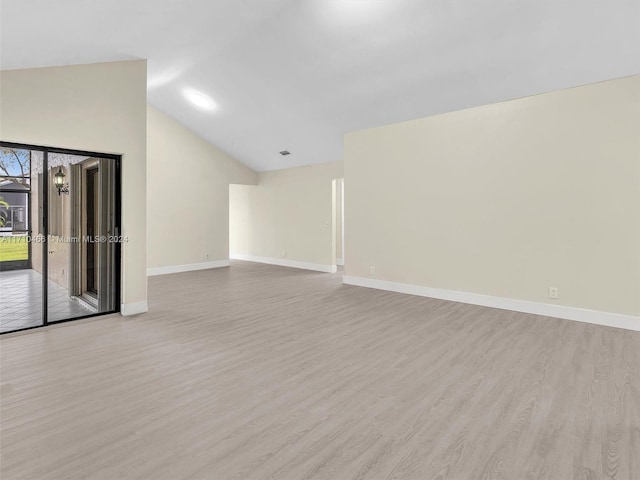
263	372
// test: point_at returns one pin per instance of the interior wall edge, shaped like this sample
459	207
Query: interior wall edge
128	309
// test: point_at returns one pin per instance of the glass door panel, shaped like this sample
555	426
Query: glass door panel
20	268
82	237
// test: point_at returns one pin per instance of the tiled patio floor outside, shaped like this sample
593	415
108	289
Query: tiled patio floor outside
21	301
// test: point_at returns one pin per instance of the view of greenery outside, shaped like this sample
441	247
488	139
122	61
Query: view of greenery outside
14	248
15	167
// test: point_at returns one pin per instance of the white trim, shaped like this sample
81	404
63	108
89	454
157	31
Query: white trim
342	220
186	268
628	322
340	261
127	309
285	263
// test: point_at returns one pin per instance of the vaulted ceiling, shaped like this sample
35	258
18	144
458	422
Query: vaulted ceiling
297	74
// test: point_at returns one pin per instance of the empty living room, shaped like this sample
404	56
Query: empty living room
320	239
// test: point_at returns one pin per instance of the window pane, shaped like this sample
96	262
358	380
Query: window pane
15	162
14	213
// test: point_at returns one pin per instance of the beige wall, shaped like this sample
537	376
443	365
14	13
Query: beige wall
287	216
188	195
505	200
101	108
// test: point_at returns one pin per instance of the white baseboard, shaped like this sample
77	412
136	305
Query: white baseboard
628	322
127	309
186	268
285	263
340	261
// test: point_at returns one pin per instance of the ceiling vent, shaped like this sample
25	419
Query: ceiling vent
285	152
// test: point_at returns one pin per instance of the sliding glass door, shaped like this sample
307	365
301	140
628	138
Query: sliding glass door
21	295
69	224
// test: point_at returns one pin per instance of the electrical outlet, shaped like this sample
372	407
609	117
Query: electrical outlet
372	270
553	292
284	253
206	255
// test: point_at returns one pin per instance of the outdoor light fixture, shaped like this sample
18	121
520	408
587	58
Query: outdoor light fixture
58	181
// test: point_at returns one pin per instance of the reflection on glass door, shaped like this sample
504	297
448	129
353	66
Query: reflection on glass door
82	235
59	250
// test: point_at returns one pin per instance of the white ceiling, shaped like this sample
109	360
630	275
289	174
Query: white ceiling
298	74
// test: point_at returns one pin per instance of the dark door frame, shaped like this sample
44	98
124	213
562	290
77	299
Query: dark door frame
92	217
46	150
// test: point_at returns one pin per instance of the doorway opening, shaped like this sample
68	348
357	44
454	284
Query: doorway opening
338	221
59	235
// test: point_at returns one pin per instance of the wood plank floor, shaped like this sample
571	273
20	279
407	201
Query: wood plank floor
261	372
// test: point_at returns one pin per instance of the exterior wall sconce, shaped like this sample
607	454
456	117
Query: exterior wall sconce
58	181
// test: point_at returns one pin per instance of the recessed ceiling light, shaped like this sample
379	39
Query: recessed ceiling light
350	12
285	152
199	99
